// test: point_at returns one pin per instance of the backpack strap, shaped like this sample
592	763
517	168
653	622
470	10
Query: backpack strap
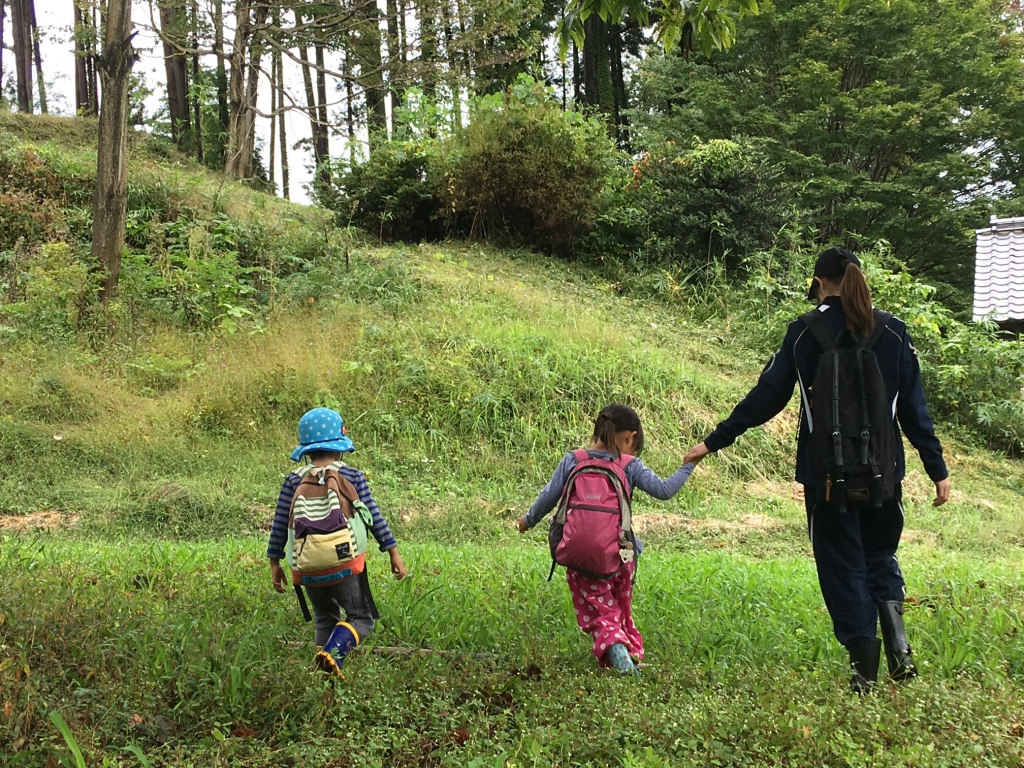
882	319
819	327
330	476
816	323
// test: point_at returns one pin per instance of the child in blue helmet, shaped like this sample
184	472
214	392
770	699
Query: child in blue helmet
322	442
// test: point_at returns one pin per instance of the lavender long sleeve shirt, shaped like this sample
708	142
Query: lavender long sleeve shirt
639	475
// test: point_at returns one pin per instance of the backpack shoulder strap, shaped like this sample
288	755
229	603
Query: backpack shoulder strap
882	319
818	326
340	483
581	454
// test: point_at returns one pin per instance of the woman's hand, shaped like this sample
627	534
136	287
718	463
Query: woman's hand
696	454
521	525
942	491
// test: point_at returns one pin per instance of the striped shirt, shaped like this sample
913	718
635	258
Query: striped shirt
279	528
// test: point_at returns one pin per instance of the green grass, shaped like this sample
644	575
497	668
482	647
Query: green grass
184	652
156	431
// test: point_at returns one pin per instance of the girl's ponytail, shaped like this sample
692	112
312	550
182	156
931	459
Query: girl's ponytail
856	297
615	418
604	433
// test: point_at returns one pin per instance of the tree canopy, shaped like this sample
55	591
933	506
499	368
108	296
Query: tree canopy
901	121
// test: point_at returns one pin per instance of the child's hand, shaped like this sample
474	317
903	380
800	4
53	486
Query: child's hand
696	454
277	575
397	564
521	525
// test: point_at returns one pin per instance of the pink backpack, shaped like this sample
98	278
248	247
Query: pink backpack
592	530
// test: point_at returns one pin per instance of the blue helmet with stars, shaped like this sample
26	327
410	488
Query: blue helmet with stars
321	429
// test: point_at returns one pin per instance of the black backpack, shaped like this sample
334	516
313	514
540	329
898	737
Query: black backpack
853	442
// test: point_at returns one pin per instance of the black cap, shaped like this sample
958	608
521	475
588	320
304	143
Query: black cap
832	266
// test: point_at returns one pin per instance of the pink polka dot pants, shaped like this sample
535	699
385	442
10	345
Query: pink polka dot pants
604	610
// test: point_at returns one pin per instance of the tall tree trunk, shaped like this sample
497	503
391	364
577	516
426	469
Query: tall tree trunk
620	99
235	162
85	63
223	115
109	204
197	106
598	90
279	85
245	74
3	16
21	31
172	24
350	110
323	150
577	76
428	48
371	70
468	55
318	129
396	53
273	116
454	80
38	56
93	75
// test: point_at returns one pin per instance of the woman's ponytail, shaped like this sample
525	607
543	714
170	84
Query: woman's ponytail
856	297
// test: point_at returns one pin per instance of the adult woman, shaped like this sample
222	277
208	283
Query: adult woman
854	544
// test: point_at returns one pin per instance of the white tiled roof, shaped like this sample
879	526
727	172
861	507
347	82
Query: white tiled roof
999	270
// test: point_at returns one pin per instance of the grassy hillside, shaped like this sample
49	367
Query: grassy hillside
144	445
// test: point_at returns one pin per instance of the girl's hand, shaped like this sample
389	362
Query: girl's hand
942	491
397	564
521	525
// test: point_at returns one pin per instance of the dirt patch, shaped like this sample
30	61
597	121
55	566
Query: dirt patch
785	425
788	490
667	523
44	521
910	536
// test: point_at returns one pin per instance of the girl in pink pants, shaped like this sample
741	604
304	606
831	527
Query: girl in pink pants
604	607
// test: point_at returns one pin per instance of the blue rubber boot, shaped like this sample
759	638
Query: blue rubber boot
332	656
618	657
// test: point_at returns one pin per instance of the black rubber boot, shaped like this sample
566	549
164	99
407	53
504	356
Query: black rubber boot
864	656
897	649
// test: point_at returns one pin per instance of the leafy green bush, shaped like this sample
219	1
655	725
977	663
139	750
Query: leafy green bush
525	171
697	209
391	195
46	291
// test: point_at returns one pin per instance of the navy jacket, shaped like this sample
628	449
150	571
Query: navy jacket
796	363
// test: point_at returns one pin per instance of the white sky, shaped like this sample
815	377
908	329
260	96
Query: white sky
55	18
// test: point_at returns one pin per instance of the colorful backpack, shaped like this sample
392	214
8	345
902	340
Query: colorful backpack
592	530
327	528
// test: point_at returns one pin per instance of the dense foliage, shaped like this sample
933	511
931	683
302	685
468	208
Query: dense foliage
702	208
901	121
